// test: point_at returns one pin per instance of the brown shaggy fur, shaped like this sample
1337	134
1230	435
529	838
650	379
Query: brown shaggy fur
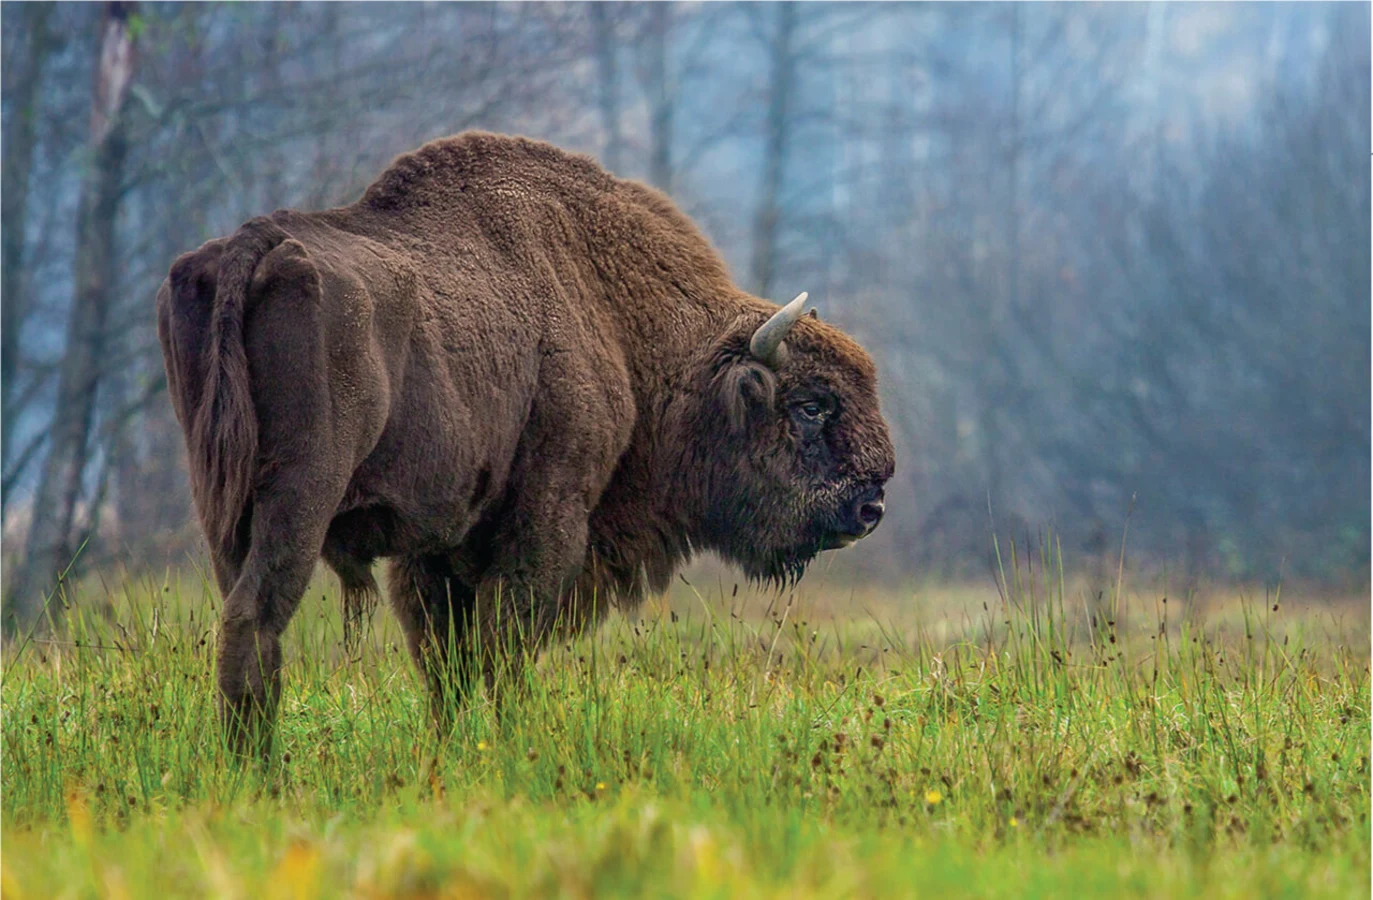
524	381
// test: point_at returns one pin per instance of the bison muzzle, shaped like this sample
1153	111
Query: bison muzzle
528	384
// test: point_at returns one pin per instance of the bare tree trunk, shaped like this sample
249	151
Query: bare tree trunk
49	549
992	425
777	147
1013	164
15	168
660	97
603	23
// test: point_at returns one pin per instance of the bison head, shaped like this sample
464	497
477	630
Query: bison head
791	442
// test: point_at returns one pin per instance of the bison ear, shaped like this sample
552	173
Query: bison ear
744	388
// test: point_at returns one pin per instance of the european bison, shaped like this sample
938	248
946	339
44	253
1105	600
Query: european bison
529	384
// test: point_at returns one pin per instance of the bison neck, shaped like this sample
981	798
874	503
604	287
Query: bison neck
673	306
646	524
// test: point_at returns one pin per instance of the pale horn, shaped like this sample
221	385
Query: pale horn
766	343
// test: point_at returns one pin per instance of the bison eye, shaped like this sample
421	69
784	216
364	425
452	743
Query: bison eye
809	413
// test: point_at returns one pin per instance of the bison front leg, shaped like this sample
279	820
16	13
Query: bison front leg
452	645
524	597
434	608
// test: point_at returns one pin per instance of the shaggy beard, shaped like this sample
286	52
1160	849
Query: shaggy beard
781	569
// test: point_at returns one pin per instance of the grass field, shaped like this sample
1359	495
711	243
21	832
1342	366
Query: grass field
827	743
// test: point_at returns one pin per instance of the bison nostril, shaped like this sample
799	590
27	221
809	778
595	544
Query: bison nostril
870	513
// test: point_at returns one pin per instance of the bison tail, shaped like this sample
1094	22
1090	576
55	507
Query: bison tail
224	436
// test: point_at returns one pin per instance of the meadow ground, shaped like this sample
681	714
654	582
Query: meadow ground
818	744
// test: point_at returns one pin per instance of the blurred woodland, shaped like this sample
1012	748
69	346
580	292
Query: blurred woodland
1112	260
